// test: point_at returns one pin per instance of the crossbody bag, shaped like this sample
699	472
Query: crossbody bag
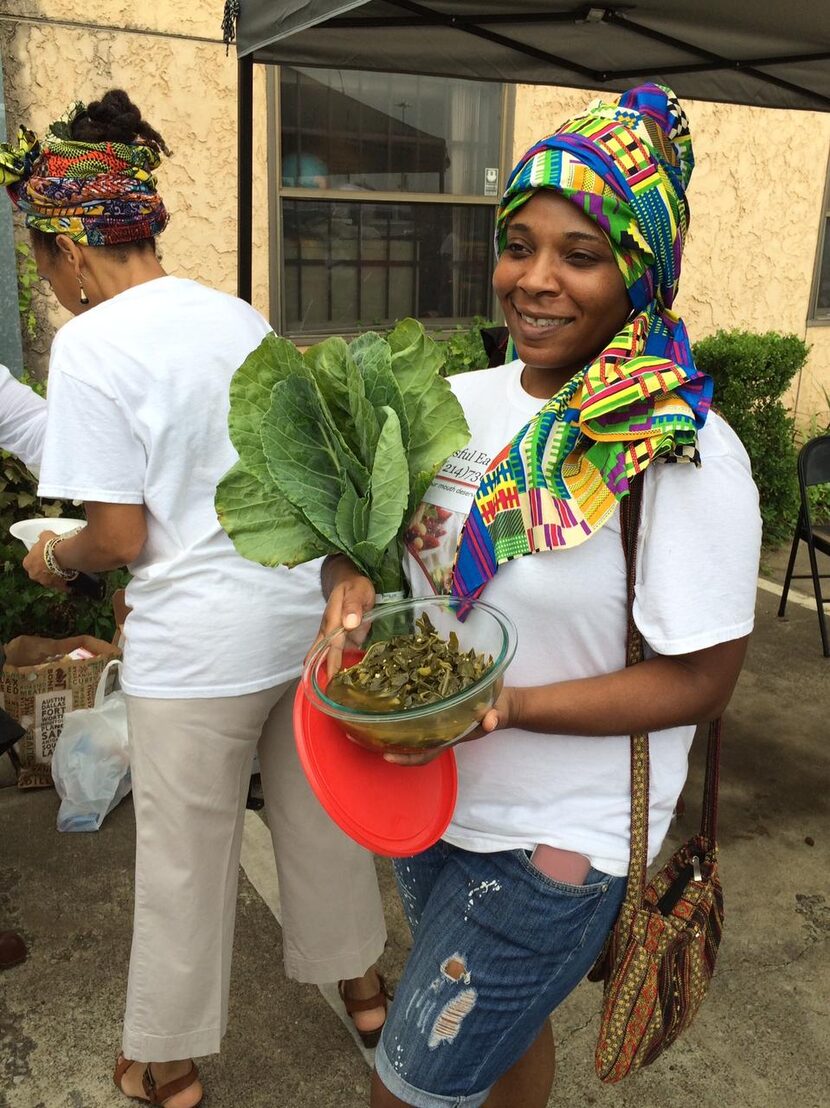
660	956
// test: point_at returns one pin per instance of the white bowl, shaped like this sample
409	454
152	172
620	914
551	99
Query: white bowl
29	530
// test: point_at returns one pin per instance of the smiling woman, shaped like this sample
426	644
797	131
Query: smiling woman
520	894
560	289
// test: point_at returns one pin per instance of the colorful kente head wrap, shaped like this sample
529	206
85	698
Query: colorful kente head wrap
626	166
98	193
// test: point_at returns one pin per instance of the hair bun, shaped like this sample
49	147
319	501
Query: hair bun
115	118
116	115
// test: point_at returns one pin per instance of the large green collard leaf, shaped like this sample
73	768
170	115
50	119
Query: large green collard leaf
352	517
413	347
390	484
250	394
306	457
367	525
437	427
262	524
336	448
373	356
389	576
328	363
352	521
341	385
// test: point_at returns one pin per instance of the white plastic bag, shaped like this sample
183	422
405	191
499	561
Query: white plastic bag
90	764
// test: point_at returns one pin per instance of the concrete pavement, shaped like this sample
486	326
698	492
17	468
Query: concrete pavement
762	1038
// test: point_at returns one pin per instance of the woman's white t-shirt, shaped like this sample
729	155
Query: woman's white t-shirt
696	580
138	414
22	420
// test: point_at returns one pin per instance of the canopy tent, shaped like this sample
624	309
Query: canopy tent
759	52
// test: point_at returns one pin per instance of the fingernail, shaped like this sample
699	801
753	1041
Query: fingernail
351	621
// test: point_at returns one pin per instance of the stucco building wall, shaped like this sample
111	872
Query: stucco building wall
184	86
752	244
756	197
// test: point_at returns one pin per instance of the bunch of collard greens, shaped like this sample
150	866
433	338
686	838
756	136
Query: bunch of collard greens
337	447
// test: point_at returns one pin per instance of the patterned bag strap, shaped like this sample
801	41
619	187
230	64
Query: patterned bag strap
709	813
630	510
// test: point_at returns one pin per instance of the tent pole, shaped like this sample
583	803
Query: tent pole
245	179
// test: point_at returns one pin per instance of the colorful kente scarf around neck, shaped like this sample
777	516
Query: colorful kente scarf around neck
98	193
626	166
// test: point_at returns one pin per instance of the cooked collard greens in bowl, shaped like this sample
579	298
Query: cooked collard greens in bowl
412	676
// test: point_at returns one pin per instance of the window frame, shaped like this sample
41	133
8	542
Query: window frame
277	193
814	319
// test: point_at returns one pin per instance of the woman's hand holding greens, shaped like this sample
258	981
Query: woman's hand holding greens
349	594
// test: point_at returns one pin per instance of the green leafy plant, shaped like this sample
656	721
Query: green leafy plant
27	608
464	349
751	372
336	448
27	280
819	495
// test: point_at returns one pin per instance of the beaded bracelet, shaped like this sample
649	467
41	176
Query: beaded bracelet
51	561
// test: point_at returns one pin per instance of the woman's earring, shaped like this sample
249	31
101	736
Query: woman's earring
84	298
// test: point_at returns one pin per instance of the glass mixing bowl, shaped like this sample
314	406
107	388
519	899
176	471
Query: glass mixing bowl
425	727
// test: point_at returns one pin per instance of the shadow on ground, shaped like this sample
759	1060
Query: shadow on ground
762	1038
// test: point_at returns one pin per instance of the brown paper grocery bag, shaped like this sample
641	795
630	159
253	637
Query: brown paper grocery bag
39	684
120	610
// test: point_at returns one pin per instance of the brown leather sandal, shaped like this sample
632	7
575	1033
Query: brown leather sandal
153	1093
381	999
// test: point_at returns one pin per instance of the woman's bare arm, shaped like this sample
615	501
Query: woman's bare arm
113	537
665	691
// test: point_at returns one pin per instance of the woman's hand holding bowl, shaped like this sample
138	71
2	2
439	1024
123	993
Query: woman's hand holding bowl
501	715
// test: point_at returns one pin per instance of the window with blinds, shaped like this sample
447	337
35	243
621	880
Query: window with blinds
385	188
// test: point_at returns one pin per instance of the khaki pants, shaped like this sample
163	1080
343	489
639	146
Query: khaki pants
191	763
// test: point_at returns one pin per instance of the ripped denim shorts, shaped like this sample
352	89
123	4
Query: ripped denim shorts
497	946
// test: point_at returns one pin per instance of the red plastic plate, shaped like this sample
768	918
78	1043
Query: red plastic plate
389	809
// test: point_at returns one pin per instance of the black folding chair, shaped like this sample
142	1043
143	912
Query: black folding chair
813	469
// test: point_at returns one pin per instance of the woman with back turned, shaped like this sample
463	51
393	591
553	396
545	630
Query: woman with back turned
137	429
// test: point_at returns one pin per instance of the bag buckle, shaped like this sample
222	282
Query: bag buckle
696	870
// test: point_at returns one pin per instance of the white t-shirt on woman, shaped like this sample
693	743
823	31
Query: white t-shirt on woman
22	420
138	414
696	578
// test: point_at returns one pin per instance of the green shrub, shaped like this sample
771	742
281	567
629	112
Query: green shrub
751	372
818	495
27	280
465	349
27	608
